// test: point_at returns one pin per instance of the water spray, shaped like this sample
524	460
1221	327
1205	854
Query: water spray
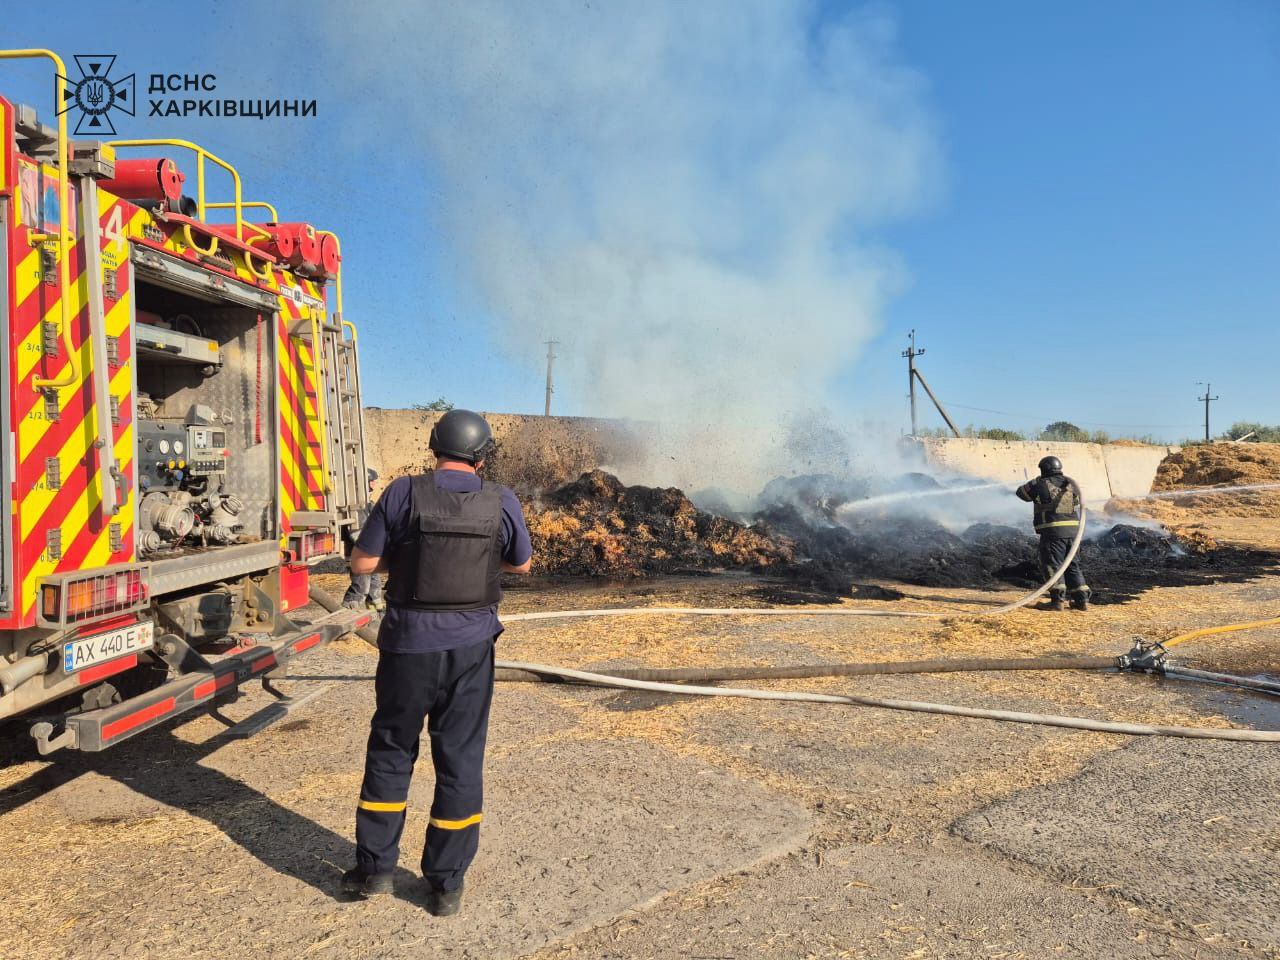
885	499
1196	492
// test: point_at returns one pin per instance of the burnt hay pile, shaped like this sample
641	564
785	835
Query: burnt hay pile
598	527
1121	559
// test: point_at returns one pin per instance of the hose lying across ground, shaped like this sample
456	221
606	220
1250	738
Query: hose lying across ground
662	681
1227	628
370	635
915	706
715	674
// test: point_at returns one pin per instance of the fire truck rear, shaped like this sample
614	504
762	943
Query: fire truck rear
183	432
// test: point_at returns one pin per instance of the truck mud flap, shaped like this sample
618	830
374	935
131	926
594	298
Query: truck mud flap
96	730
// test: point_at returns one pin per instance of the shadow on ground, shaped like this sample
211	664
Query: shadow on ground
168	770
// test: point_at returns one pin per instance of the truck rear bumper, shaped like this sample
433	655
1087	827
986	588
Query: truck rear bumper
96	730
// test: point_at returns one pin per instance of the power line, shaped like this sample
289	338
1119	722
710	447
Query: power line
1089	423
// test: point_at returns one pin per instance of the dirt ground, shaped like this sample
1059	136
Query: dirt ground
627	825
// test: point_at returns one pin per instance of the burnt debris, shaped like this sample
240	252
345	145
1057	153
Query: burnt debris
597	526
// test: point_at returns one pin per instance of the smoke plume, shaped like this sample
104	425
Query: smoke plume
686	195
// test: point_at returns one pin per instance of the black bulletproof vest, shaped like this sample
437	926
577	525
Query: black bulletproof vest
1056	504
452	556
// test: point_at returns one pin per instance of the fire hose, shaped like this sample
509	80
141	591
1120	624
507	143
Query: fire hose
1143	657
369	635
915	706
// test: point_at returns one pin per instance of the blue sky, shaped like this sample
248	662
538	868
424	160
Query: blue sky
1110	235
1092	227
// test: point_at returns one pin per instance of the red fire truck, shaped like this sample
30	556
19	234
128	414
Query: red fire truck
180	401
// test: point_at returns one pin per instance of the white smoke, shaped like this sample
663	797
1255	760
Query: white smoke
685	195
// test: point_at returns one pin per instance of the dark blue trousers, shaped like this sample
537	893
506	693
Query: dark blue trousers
1054	550
451	690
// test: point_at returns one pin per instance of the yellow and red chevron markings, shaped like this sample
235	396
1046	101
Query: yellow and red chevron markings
72	506
301	460
65	438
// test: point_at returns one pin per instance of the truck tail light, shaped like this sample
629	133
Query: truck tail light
82	597
309	545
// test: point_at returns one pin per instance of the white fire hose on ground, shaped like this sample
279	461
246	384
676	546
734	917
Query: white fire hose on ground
605	680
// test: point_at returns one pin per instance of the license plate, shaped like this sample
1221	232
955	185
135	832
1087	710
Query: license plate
89	651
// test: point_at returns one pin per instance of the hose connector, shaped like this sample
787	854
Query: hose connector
1146	656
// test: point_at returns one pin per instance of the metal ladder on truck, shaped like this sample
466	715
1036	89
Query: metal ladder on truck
348	469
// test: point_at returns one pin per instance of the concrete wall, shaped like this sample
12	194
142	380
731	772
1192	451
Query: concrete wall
534	453
539	453
1102	470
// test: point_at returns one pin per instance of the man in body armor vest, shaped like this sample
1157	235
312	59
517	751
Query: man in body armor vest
1056	501
443	538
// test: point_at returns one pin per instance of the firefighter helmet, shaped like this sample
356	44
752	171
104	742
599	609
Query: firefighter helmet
462	435
1050	467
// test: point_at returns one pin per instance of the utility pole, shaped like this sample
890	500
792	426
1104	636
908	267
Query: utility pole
551	355
937	403
911	353
1206	399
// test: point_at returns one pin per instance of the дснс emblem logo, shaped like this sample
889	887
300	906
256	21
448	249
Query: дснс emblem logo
95	94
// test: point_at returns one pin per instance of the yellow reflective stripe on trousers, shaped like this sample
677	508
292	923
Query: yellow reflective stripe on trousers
1058	523
455	824
379	807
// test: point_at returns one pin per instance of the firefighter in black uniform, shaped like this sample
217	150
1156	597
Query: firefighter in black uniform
444	538
1056	500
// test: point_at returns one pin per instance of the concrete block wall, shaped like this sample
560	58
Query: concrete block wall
1102	470
534	453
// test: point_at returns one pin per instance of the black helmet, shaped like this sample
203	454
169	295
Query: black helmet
462	435
1050	467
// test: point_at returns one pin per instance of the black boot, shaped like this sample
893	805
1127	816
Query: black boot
1055	602
1080	600
444	903
356	881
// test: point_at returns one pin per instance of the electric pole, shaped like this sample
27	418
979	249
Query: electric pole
551	355
1206	399
911	353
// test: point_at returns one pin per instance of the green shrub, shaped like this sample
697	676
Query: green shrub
438	405
1064	430
999	433
1261	432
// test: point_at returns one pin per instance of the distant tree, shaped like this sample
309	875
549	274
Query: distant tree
1261	432
999	433
1064	430
438	405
